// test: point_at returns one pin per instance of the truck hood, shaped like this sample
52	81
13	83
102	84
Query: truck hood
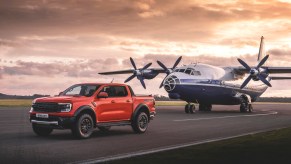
62	99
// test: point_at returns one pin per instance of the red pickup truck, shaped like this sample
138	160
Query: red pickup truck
83	107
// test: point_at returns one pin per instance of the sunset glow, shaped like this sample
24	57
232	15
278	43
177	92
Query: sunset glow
46	46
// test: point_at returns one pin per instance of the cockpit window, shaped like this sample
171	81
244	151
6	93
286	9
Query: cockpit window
188	71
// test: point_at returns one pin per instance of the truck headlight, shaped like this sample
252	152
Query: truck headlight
65	107
31	108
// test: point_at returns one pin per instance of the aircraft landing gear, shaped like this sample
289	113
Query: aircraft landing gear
189	108
245	106
205	107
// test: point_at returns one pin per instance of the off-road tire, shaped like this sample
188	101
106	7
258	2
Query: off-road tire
140	122
83	127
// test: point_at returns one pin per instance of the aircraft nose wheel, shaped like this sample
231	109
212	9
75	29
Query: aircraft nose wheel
189	108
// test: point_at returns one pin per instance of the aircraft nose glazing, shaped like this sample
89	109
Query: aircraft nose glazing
171	82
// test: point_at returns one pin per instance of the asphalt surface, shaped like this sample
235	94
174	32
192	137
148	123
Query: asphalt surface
18	143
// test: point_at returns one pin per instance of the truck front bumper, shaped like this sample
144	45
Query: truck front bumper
55	122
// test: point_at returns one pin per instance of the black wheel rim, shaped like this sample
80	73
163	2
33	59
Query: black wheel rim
86	125
143	121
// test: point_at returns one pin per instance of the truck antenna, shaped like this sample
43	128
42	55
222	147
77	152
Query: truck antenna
112	80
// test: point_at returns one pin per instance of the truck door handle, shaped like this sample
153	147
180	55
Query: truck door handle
112	101
127	100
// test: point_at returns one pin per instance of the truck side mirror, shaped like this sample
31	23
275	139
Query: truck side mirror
102	95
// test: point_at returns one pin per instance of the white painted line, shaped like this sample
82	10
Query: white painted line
223	117
161	149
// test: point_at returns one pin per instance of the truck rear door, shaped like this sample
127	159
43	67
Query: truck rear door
117	107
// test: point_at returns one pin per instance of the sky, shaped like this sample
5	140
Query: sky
49	45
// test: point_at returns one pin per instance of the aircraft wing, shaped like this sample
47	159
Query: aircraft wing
117	72
271	70
157	70
280	78
278	69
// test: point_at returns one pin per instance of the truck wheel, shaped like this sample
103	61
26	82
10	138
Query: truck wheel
104	128
41	131
83	127
140	123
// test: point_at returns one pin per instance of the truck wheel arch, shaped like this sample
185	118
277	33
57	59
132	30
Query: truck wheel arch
86	109
141	107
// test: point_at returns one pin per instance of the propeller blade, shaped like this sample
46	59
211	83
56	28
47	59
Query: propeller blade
142	82
130	78
244	64
162	83
264	80
245	82
146	66
177	62
162	65
132	63
262	62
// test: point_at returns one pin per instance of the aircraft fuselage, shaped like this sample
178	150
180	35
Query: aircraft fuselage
207	84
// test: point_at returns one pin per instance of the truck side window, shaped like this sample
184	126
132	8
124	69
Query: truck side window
120	91
115	91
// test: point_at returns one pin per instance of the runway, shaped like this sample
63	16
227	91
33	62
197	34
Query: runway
170	129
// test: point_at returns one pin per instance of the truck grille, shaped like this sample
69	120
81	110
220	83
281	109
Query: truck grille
46	107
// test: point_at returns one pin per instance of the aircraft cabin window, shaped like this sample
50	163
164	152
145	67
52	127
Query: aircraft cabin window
188	71
195	73
182	70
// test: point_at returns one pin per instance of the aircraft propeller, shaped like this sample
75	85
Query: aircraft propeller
138	73
255	72
169	70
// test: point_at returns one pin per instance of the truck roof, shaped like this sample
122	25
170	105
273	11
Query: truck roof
103	84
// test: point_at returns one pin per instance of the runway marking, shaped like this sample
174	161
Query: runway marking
210	118
166	148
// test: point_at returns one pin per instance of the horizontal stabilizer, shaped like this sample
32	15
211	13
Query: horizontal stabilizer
280	78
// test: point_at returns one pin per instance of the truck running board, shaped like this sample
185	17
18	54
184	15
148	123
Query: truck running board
119	123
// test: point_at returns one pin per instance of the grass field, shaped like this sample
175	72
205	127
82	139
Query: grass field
15	102
268	148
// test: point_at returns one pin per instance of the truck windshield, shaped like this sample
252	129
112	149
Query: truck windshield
81	90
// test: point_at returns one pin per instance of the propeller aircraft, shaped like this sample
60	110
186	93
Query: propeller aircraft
208	85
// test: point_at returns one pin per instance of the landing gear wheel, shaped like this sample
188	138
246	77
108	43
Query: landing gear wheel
187	108
41	131
83	127
245	106
192	108
140	123
104	128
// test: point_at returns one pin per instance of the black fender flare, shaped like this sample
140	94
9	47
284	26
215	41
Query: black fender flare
139	108
86	108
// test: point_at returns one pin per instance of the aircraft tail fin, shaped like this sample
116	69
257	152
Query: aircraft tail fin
262	52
